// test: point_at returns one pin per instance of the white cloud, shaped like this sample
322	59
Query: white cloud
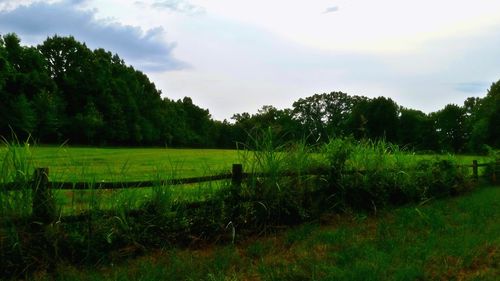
146	49
331	9
245	54
181	6
238	67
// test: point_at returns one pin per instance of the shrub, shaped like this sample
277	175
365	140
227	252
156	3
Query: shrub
374	174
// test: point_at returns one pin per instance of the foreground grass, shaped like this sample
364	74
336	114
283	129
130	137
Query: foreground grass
451	239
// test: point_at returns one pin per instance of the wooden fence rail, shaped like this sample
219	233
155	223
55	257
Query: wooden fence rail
236	176
43	205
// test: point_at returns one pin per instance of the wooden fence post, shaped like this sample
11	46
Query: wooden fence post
237	175
496	170
475	174
43	203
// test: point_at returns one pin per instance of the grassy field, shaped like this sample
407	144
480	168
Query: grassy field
451	239
119	164
122	223
125	164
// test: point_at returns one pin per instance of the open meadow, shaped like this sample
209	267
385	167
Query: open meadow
68	163
94	165
122	164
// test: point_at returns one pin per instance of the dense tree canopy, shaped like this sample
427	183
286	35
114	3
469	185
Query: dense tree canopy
325	116
62	91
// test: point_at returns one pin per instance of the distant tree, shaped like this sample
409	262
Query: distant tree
383	119
280	123
22	117
6	71
357	122
429	137
324	116
450	127
88	124
48	108
243	126
116	124
69	63
485	121
62	90
198	123
224	135
411	131
23	75
375	119
13	51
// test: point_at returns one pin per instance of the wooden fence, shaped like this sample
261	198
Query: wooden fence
43	205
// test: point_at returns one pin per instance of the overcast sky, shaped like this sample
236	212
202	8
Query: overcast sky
232	56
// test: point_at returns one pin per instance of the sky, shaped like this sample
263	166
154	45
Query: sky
234	56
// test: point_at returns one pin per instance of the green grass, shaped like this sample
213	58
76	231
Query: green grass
451	239
111	164
122	223
126	164
119	164
75	164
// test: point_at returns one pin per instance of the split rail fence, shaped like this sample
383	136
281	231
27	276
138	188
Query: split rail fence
42	186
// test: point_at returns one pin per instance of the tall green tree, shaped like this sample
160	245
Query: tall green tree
69	63
375	119
48	108
411	131
325	116
88	124
485	120
382	119
450	126
22	117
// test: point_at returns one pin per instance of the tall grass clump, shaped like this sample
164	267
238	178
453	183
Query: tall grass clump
372	174
20	246
16	166
490	171
277	190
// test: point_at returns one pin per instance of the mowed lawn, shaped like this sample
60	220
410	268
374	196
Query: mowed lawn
123	164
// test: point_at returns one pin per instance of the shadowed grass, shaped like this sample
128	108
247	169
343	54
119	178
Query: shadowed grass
450	239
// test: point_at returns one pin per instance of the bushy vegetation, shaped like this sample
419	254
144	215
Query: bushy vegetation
450	239
289	184
374	174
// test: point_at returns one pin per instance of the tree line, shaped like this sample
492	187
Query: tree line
471	127
62	91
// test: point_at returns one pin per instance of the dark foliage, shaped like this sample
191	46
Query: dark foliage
62	91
